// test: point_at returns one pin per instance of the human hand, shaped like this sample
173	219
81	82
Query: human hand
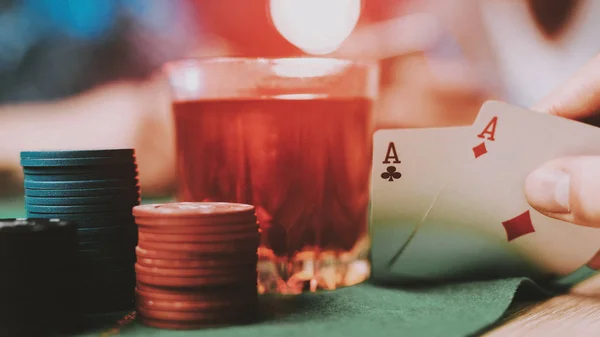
417	89
568	188
133	115
116	115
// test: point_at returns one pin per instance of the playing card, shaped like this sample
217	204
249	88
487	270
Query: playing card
409	168
491	228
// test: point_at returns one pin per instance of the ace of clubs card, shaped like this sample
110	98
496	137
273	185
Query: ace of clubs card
409	168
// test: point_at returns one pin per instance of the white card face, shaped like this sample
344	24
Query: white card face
485	197
409	168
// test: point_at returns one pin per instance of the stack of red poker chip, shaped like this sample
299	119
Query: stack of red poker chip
196	264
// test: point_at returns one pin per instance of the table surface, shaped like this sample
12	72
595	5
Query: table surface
574	314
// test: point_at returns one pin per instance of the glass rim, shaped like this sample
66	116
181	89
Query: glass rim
221	60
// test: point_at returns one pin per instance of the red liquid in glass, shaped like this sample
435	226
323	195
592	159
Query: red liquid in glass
304	164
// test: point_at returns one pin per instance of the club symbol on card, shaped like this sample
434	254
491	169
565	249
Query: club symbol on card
480	150
390	173
518	226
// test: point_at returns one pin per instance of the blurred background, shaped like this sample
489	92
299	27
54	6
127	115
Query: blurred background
86	73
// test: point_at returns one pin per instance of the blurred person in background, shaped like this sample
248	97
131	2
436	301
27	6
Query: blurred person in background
514	50
82	74
426	79
539	44
440	60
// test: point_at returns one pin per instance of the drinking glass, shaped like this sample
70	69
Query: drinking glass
293	137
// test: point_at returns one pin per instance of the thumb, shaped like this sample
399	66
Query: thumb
567	189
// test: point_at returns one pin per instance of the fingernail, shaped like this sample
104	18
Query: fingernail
548	190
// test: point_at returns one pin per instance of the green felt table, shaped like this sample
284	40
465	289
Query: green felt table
459	309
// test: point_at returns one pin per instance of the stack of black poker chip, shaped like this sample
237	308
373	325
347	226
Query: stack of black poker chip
38	285
96	189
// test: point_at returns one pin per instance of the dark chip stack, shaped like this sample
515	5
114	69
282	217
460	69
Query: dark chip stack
38	294
97	190
196	264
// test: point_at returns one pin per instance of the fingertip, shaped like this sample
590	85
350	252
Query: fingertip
585	189
567	189
576	98
541	106
547	190
553	105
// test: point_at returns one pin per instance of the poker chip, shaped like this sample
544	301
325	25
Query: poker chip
91	220
81	176
77	201
116	242
120	289
109	264
203	248
194	229
109	279
32	250
78	209
83	192
97	261
107	284
189	238
79	154
196	264
108	230
244	292
16	226
111	170
68	184
226	221
22	240
98	217
194	282
71	162
195	272
186	255
195	210
106	234
102	252
96	190
191	305
88	220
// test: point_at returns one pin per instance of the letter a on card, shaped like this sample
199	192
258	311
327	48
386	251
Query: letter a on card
391	154
490	130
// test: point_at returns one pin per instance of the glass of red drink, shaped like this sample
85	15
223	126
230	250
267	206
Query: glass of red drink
293	137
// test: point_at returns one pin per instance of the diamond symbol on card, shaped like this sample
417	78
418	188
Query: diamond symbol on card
480	150
518	226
